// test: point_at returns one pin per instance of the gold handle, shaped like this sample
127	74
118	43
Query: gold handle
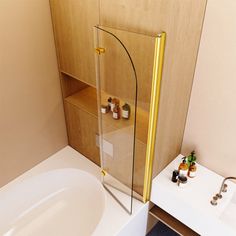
103	172
100	50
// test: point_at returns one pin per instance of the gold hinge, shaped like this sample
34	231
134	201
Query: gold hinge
103	172
99	50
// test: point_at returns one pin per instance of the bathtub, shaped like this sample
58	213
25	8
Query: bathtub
63	196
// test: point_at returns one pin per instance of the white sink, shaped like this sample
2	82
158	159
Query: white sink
228	215
191	204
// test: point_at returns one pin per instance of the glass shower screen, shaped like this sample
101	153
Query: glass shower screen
117	104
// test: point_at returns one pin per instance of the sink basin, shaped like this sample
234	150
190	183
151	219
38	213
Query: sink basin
229	213
234	199
194	200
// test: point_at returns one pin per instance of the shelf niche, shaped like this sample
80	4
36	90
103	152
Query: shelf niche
81	113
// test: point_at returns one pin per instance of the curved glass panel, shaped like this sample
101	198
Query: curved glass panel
125	65
117	102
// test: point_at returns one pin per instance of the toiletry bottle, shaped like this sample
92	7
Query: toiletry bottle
183	167
109	100
104	109
192	170
114	102
126	111
116	112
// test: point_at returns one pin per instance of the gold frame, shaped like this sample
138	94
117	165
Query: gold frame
154	111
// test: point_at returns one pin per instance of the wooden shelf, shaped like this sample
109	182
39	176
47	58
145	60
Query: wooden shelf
86	99
172	222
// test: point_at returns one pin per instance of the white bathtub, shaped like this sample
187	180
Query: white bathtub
63	196
52	203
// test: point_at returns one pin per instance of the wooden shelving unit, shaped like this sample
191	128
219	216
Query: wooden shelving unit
86	100
172	222
75	50
81	108
81	111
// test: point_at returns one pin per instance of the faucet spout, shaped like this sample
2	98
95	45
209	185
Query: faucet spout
223	189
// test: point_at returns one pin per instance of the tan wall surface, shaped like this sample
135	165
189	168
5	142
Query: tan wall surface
32	125
211	123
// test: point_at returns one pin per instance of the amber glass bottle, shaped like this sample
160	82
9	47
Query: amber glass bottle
109	100
192	170
116	112
183	168
114	102
126	111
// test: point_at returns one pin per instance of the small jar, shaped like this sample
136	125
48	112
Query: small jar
182	181
104	109
114	102
175	175
126	111
116	112
192	170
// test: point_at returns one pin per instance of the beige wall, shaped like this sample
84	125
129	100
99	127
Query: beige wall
32	123
211	123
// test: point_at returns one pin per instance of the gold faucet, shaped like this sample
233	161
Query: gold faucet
223	189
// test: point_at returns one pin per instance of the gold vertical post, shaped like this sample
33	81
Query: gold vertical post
154	111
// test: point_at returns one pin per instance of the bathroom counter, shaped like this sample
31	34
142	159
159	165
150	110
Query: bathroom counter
191	204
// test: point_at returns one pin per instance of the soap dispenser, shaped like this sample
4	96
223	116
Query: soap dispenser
192	170
183	167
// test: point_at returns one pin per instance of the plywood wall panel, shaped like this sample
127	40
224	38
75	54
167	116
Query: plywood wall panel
73	27
82	130
117	76
182	21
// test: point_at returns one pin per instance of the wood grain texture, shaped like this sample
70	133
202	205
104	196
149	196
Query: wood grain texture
182	21
73	22
70	85
82	130
117	75
120	165
172	222
86	100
